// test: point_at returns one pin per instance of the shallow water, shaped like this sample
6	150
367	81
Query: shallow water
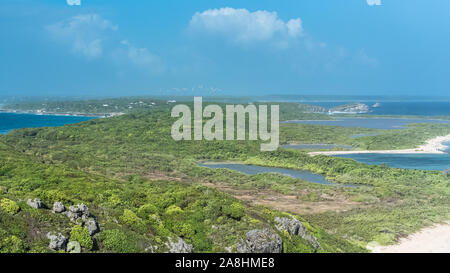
448	146
372	123
316	146
11	121
437	162
362	135
253	169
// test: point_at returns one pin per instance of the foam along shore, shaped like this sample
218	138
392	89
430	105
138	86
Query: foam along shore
434	239
433	146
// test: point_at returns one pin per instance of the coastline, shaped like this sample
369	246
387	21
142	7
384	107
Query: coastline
93	115
433	146
433	239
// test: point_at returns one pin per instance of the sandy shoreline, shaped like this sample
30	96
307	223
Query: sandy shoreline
433	146
434	239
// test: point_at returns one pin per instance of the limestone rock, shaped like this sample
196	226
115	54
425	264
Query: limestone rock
294	227
178	246
58	207
35	203
73	247
57	241
79	211
92	226
260	241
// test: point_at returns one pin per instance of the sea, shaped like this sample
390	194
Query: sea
11	121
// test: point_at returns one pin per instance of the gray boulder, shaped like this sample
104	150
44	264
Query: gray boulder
73	247
260	241
58	207
92	226
296	228
79	211
178	246
57	241
35	203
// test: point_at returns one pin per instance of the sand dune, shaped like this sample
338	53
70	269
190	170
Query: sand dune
435	239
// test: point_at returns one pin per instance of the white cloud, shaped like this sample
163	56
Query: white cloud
74	2
84	34
241	26
139	57
374	2
362	57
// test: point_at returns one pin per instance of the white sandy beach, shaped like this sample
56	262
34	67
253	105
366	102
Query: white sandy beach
433	146
435	239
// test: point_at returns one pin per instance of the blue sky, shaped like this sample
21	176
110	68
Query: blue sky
211	47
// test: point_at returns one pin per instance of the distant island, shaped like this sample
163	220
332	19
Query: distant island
352	108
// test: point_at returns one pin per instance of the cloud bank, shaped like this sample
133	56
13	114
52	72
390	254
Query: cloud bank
374	2
84	34
74	2
244	27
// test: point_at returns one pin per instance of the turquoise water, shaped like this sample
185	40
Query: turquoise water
11	121
437	162
316	146
448	146
362	135
372	123
253	169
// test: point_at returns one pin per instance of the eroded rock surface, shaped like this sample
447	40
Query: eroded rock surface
178	246
260	241
35	203
294	227
57	241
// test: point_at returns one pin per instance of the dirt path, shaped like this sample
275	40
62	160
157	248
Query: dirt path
435	239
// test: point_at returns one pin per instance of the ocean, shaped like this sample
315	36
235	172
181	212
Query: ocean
11	121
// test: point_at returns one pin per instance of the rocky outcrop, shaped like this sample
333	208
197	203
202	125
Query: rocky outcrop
81	216
296	228
73	247
79	211
35	203
352	108
178	246
78	214
58	207
260	241
92	226
57	241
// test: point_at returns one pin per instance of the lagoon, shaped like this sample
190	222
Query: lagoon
253	169
316	146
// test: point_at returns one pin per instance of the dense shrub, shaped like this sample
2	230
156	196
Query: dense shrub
146	210
81	235
174	210
116	241
235	210
9	206
130	219
12	244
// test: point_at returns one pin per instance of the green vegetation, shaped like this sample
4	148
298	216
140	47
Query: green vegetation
81	235
144	188
9	206
411	137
